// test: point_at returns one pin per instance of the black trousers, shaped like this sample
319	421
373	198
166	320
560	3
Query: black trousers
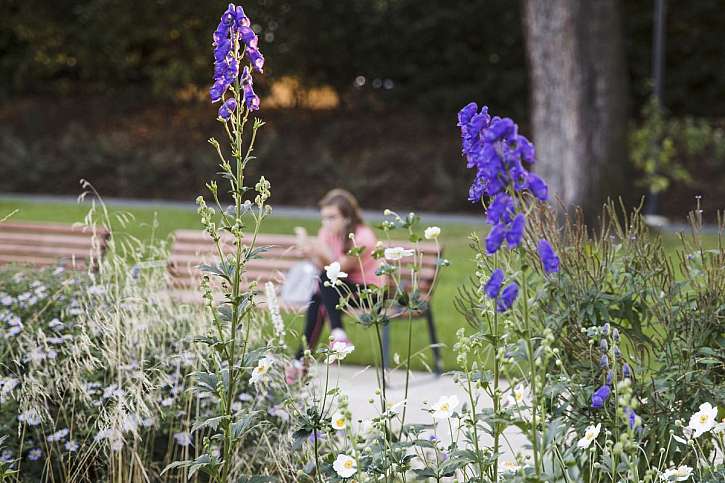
324	302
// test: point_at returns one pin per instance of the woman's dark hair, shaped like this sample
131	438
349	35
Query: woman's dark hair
349	208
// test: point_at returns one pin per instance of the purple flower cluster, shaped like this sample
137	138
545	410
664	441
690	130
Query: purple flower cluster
600	396
493	146
233	38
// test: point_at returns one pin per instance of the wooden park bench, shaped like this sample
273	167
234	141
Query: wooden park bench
47	244
191	248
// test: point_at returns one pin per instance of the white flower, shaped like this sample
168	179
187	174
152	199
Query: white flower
509	466
259	373
338	421
396	253
183	438
681	473
6	300
31	417
58	435
345	466
71	446
432	232
35	454
519	397
443	409
6	387
334	273
167	402
719	428
703	420
590	435
339	350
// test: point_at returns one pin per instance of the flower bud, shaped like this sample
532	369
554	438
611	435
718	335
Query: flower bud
604	361
603	345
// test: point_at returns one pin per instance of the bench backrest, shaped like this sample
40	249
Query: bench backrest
43	244
191	248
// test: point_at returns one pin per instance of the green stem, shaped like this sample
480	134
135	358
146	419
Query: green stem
532	370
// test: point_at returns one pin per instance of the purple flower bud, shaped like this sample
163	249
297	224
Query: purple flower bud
495	238
256	58
500	129
465	114
605	329
500	210
217	90
600	397
615	334
604	361
631	417
617	352
610	376
508	296
230	16
538	187
603	345
226	110
250	98
626	370
526	149
242	19
548	257
516	232
493	286
249	37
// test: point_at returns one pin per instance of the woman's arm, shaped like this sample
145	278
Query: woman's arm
321	255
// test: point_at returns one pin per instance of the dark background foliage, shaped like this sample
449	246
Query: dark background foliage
95	88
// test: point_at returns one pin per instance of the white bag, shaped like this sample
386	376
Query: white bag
300	284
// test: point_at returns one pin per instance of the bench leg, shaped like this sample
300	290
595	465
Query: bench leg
386	346
437	367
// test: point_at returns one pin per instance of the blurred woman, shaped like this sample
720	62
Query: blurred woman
341	216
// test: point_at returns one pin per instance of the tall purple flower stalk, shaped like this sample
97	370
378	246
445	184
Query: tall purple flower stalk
233	40
494	148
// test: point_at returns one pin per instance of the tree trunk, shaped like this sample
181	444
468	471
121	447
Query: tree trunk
579	99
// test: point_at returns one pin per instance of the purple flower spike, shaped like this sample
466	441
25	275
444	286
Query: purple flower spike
226	110
508	296
493	286
600	396
548	257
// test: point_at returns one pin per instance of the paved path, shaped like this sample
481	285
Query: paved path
360	384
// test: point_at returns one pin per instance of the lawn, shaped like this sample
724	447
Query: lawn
454	238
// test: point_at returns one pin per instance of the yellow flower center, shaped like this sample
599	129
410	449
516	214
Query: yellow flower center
444	407
703	418
348	464
340	422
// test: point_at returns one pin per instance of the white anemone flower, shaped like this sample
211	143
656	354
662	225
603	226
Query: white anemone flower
445	406
703	420
396	253
590	435
432	232
681	473
259	374
345	466
339	350
338	421
334	272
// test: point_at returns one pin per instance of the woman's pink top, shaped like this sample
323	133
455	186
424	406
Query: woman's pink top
364	237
